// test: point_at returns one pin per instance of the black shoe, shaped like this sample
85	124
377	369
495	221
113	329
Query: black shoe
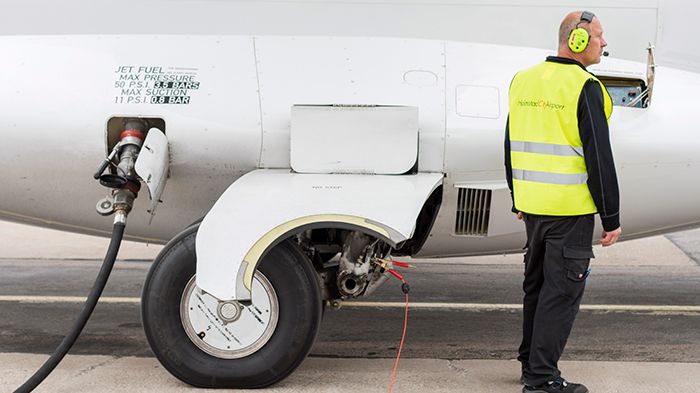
559	385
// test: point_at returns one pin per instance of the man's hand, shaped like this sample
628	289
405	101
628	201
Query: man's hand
519	215
609	238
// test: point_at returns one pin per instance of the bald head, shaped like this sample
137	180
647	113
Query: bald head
569	23
596	43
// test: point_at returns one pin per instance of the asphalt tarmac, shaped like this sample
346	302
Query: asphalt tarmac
641	312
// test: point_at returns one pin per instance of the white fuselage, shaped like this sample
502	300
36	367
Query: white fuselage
59	92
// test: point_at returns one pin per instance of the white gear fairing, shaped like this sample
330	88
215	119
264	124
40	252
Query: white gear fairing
266	205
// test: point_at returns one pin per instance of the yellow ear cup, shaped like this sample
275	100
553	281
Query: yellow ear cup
578	40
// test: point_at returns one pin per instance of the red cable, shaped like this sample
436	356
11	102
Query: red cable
403	336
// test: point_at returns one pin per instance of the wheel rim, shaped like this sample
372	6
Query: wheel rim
248	328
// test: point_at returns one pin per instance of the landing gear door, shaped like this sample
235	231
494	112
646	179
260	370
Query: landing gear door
152	165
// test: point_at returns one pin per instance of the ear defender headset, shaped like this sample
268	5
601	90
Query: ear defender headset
578	37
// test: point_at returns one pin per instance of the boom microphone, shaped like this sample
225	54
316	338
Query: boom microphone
605	53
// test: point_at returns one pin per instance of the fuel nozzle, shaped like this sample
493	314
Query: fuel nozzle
123	180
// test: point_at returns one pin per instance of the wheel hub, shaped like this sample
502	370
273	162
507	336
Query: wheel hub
229	311
227	329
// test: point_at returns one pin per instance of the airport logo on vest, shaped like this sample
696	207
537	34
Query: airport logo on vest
541	104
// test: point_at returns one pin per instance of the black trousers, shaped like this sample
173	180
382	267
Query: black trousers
556	267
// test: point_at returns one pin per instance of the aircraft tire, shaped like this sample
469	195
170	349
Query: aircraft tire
286	268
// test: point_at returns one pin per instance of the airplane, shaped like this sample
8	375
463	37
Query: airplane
283	170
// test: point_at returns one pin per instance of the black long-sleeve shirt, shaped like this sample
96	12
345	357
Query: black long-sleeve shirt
595	135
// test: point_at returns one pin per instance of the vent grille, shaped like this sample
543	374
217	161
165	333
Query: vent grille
473	208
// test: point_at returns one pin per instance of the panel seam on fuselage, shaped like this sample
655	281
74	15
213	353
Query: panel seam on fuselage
444	132
257	79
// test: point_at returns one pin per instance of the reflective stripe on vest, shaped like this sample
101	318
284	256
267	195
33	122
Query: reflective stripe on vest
550	178
546	148
549	169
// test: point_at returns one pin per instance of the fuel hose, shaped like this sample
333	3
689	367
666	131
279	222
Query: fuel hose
90	303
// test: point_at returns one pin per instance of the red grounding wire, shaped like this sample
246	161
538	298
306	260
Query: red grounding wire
403	337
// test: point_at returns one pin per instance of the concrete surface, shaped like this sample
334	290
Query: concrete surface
19	241
317	375
447	350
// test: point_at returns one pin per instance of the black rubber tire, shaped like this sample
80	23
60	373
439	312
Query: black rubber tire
295	281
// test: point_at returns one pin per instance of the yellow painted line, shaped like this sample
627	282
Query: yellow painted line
503	307
434	306
635	307
68	299
413	305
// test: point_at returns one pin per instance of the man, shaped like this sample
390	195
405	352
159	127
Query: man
560	170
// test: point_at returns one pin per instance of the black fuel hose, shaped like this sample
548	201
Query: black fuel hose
90	303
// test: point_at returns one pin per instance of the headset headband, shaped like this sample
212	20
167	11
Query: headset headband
587	16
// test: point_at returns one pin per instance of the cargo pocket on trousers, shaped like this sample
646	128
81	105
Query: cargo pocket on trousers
577	259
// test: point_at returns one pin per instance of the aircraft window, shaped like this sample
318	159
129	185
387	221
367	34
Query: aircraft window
626	92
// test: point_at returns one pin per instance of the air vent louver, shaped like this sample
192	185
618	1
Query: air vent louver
473	207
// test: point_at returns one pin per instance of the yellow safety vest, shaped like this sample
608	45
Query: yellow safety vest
549	170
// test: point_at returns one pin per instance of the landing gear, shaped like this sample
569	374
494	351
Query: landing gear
207	343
